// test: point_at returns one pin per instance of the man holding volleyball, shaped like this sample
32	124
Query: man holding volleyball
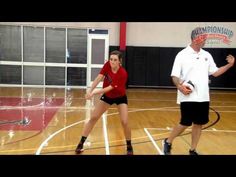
190	74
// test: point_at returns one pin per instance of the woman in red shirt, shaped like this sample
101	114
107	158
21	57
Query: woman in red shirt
114	78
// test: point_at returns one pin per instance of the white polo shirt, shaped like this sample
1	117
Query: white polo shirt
196	67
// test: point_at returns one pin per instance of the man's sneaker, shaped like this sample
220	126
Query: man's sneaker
79	148
166	147
193	152
130	150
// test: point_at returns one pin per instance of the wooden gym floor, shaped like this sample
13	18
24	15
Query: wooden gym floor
49	122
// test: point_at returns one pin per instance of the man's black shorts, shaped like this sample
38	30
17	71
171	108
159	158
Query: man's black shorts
194	112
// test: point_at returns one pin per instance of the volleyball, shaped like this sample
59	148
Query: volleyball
189	85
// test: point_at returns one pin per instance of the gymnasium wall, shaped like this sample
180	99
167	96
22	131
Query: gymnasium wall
145	34
151	66
152	47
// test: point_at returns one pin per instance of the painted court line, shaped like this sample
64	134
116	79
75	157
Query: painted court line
153	142
188	129
104	123
45	142
137	110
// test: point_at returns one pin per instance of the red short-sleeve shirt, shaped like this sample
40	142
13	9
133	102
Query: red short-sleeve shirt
116	80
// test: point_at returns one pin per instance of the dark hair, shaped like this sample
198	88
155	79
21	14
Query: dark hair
118	53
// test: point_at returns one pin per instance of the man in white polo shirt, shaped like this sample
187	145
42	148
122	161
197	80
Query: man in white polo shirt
190	74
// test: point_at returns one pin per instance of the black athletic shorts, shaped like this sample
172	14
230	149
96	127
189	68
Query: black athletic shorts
194	112
118	100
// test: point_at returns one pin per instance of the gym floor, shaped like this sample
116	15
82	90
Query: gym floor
45	121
